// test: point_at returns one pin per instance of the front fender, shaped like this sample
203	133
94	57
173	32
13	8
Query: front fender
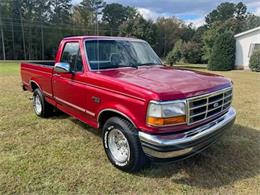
130	114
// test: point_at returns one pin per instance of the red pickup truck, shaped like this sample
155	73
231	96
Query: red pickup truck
146	110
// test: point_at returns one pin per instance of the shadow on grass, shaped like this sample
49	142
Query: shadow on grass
235	157
96	132
61	115
57	114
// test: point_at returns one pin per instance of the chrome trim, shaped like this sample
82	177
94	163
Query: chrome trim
170	154
89	112
189	136
206	97
75	106
212	93
46	93
168	102
116	111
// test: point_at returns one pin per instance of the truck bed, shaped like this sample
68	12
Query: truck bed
37	72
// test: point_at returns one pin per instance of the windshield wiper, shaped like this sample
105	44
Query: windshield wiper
151	63
135	66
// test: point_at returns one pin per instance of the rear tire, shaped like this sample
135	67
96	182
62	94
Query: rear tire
122	145
40	106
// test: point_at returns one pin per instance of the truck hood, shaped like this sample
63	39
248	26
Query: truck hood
170	83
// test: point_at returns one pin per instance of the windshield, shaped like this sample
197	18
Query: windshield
104	54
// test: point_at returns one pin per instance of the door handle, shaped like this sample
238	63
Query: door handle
57	75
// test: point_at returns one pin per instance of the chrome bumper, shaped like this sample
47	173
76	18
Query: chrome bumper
186	143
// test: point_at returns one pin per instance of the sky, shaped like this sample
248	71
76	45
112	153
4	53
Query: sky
190	11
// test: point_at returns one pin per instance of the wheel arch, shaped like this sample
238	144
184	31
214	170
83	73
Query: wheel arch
107	113
34	85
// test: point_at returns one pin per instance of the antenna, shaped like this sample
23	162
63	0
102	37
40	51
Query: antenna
97	34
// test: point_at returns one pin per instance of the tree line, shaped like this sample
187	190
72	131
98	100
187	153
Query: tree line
32	29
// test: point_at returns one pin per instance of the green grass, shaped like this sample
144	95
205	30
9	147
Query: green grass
62	155
195	66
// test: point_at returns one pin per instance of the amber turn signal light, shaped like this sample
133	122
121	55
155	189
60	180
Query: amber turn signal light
166	121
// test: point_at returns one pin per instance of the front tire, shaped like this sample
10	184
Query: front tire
40	106
122	145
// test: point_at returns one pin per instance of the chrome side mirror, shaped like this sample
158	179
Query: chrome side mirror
62	67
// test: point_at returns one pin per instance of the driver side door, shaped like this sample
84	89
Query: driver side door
69	93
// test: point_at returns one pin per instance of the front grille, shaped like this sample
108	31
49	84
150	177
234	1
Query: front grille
209	105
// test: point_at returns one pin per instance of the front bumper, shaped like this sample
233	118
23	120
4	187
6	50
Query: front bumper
181	145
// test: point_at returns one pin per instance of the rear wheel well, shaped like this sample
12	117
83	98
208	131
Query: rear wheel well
34	86
105	115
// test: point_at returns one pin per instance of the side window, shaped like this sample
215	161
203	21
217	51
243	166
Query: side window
71	54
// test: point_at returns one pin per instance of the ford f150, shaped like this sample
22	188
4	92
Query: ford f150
146	110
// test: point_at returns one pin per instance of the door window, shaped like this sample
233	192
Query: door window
71	54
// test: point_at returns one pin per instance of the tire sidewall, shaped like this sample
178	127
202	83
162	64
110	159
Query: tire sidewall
38	93
130	136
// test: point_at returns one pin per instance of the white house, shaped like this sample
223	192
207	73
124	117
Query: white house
246	43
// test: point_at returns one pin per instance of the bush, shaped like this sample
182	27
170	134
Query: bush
223	53
254	63
191	52
175	54
170	58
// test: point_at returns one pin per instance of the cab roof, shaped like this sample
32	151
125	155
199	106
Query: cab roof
101	38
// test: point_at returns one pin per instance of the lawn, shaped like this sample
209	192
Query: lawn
62	155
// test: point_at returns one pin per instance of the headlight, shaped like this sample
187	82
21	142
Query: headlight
166	113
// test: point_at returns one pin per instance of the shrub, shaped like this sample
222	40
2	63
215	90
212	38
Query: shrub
254	63
175	54
223	52
170	58
191	52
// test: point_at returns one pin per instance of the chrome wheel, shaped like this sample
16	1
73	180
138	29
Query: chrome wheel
118	146
37	104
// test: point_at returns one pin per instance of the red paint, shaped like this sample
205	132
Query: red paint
127	90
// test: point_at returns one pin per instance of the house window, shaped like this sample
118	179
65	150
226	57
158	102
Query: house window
257	47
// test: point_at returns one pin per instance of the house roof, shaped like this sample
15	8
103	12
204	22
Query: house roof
247	32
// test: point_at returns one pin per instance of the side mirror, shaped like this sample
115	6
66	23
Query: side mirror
62	67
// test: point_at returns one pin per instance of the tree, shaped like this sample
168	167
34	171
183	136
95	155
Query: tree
240	11
252	21
226	11
227	17
169	30
140	28
223	12
223	52
187	32
89	10
198	35
115	14
175	54
82	16
60	11
191	52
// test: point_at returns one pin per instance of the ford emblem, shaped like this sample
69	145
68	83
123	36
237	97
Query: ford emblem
215	105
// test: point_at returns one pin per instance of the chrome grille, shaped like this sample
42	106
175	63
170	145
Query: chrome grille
209	105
